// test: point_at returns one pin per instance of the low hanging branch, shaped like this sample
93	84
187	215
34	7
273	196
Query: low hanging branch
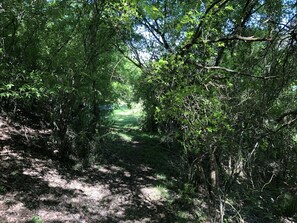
243	38
234	71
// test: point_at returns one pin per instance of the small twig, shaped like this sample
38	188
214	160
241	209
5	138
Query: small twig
268	182
222	210
25	131
114	68
253	151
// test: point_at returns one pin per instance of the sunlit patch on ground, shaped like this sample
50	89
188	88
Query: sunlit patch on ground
125	137
154	193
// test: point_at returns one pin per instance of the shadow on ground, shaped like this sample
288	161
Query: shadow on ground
126	188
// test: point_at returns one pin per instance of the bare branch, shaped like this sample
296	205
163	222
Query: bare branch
243	38
137	64
155	30
234	71
152	30
273	174
166	44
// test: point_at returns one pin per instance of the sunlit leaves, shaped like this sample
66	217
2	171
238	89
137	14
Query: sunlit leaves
152	11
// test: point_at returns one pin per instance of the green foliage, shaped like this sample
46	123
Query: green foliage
219	86
58	57
2	189
287	204
36	219
124	79
216	78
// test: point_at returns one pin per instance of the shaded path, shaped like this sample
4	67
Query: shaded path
126	188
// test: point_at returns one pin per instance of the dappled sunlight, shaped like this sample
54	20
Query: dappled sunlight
125	188
125	137
123	191
135	110
153	193
59	216
111	193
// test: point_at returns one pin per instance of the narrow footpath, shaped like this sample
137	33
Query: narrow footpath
128	185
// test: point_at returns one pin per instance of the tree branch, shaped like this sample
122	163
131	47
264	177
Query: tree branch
280	118
137	64
243	38
286	125
198	30
233	71
166	44
156	30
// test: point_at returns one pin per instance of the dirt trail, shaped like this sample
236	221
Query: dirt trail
31	185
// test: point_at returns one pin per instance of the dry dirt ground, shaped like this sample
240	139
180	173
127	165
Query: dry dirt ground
34	185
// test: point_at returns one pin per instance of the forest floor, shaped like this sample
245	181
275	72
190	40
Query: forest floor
135	179
129	184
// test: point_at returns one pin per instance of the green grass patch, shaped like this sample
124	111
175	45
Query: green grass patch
36	219
125	117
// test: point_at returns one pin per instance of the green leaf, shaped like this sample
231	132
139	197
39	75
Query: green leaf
9	86
153	12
